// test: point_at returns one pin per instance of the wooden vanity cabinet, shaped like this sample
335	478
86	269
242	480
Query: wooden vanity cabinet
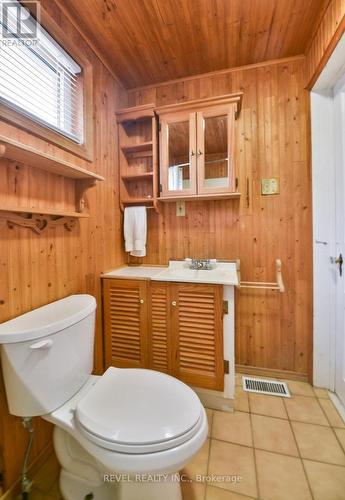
197	334
125	322
159	326
176	328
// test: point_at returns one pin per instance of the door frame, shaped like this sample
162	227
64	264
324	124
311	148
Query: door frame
324	208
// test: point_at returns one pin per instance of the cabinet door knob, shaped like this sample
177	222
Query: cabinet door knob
199	152
141	301
174	303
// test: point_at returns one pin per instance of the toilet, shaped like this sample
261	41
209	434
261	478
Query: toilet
124	435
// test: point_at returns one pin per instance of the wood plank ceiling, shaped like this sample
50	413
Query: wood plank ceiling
150	41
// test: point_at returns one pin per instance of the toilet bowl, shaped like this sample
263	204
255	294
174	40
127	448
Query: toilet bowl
146	446
124	435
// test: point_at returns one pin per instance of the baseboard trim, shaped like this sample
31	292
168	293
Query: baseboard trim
36	464
338	404
271	372
214	400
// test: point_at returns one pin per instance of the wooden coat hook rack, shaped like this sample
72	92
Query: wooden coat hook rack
262	285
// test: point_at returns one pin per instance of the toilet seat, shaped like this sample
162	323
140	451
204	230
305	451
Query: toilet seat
139	449
138	411
162	462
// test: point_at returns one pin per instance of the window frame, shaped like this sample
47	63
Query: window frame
19	119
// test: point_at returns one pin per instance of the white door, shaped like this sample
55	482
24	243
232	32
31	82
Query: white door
339	247
328	176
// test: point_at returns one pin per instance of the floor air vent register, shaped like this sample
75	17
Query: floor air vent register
266	386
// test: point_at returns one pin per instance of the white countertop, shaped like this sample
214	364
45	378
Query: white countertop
144	272
224	273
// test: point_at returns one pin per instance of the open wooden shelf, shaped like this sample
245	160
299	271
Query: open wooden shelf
133	177
43	211
39	219
134	201
22	153
136	113
138	156
202	197
142	147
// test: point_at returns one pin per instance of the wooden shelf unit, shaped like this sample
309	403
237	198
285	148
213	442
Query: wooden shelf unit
203	197
144	147
133	177
21	153
39	219
137	201
138	156
42	211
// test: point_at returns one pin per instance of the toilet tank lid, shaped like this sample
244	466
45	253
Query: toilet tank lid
47	319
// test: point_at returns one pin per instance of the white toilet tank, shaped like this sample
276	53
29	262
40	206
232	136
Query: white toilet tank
47	354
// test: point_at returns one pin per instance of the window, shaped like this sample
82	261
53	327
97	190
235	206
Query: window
38	78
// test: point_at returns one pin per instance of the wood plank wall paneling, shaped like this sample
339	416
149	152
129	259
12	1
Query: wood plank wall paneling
272	330
329	31
40	269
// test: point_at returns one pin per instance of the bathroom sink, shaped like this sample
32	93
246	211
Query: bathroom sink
178	273
224	274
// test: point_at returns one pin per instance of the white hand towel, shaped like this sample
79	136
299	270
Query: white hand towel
135	230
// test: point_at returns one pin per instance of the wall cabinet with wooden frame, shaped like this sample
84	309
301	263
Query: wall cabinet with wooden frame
176	328
197	149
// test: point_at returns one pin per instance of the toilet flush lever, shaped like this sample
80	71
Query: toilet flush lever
42	344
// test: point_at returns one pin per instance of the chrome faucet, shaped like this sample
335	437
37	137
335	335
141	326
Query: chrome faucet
201	264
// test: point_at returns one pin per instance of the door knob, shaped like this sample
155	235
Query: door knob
141	301
174	303
340	261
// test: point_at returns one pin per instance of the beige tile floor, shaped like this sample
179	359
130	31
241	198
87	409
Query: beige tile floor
270	448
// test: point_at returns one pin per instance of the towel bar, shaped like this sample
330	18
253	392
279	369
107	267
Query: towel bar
153	207
263	285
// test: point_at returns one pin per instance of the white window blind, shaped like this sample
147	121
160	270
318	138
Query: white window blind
39	79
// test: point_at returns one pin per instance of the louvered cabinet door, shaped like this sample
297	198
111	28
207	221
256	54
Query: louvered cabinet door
125	322
197	334
159	327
